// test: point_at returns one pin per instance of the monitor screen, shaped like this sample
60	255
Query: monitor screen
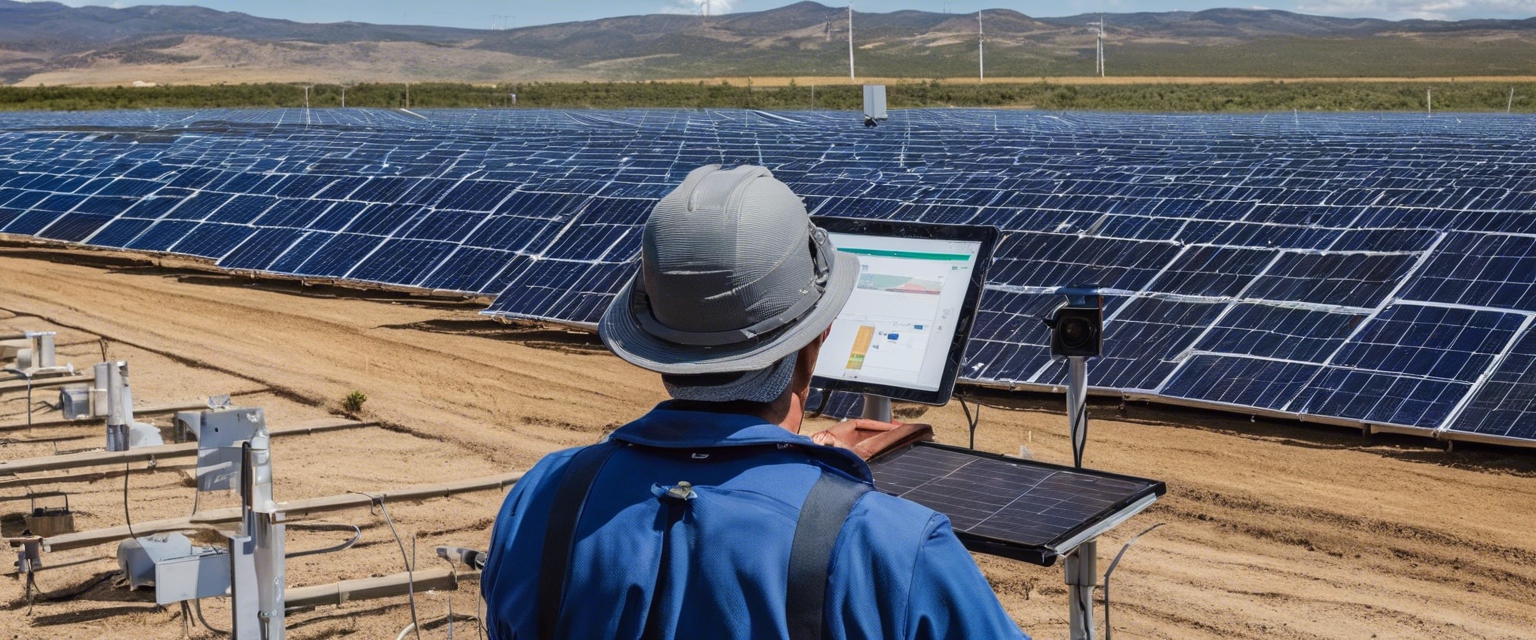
899	325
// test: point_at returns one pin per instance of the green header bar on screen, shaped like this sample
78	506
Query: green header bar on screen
910	255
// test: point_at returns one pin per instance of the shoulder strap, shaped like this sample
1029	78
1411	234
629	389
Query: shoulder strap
560	534
810	557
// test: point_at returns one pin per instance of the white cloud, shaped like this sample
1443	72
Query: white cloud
1424	9
696	7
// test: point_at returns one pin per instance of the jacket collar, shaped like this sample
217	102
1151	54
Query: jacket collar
668	427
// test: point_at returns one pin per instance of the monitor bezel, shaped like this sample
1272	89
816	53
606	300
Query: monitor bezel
986	236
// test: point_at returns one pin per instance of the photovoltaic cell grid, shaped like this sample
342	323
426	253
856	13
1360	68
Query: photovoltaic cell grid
1014	501
1374	268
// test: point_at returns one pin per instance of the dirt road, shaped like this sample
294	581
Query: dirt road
1273	530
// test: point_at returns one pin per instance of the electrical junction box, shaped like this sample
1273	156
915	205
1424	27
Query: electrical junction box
203	574
75	402
219	434
874	101
137	557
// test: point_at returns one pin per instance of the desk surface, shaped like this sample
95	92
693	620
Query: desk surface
1021	509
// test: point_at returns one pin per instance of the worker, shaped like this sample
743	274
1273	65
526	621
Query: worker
713	516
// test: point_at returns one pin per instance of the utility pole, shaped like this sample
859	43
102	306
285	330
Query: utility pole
306	98
1429	102
981	50
343	96
850	42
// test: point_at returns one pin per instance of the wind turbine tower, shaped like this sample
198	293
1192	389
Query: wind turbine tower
1099	48
850	41
981	50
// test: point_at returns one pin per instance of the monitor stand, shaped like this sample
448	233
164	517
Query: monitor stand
877	408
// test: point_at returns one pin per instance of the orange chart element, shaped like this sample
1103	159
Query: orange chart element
861	342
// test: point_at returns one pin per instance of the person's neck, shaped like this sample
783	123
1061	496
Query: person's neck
787	411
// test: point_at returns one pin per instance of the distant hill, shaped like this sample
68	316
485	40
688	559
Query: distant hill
50	43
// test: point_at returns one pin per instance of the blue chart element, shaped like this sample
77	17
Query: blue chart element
1368	269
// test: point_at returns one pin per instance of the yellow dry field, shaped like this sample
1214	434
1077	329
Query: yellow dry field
1272	530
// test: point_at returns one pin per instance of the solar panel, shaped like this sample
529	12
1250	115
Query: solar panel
1009	507
1293	263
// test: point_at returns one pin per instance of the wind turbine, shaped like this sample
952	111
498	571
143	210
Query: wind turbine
850	40
981	50
1099	48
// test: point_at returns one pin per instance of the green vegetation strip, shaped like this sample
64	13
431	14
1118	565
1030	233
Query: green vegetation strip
1195	98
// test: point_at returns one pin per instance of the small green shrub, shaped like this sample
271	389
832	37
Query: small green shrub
353	403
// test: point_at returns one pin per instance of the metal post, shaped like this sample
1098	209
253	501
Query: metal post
1510	107
258	554
43	353
1077	406
268	536
876	408
117	423
1082	576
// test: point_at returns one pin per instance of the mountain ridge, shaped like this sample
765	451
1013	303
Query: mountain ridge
51	43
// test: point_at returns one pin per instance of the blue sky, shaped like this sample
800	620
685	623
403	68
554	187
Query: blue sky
494	13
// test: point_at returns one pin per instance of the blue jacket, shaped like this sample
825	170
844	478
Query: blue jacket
897	571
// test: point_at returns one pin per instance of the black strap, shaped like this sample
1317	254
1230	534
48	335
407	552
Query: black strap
822	515
810	558
570	498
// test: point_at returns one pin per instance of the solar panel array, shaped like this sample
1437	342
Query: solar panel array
1361	269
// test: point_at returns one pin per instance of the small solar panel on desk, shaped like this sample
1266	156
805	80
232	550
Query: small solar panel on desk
1010	507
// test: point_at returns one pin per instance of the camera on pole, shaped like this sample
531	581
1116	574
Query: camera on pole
1077	324
1077	334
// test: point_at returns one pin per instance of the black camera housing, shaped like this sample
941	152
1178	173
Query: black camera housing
1077	325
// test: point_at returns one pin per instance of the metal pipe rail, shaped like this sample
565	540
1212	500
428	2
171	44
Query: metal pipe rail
138	412
399	584
290	510
85	375
144	454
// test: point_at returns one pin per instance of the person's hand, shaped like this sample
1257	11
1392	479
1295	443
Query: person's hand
870	438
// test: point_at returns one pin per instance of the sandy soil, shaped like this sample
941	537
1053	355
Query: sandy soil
1273	530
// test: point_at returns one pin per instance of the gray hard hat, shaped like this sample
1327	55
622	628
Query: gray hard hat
733	278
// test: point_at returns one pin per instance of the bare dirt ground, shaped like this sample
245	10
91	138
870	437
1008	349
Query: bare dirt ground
1273	530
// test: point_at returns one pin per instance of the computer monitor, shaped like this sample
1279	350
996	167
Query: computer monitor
902	334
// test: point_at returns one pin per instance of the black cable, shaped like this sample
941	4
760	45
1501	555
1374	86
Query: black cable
825	395
357	534
1081	426
197	604
970	421
1107	628
127	518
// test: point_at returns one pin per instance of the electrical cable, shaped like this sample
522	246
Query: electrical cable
970	421
1113	563
357	534
1080	426
127	518
409	571
197	605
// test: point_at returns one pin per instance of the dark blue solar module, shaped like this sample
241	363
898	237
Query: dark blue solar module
1375	268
